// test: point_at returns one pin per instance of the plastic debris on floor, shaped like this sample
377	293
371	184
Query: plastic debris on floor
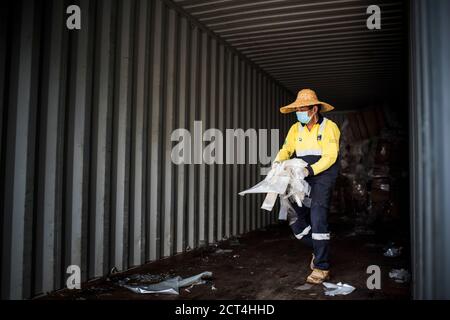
340	288
169	286
392	251
304	287
286	181
400	275
222	251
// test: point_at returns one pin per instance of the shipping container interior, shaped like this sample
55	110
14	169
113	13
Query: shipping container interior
87	128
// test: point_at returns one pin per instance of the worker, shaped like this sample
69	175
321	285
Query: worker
314	139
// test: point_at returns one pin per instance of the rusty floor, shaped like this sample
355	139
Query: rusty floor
264	264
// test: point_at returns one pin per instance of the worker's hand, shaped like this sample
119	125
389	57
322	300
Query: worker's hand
305	172
275	164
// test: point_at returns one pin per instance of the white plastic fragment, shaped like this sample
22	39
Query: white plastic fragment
393	252
284	208
287	181
340	288
197	279
304	287
269	201
170	286
222	251
399	275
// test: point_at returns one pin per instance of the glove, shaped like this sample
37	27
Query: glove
305	172
275	164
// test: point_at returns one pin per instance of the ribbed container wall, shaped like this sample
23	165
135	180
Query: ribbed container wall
85	152
429	148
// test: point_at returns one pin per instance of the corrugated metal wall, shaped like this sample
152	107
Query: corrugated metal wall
429	148
86	118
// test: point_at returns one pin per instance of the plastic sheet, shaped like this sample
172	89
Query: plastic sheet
269	201
286	181
332	289
271	184
169	286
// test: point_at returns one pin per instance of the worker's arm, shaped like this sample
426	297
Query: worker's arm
289	145
330	149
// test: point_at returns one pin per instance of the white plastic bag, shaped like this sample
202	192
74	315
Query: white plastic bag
287	181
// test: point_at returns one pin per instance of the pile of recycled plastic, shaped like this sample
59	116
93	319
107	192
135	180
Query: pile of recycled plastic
286	181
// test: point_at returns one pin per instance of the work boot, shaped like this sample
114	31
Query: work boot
311	265
318	276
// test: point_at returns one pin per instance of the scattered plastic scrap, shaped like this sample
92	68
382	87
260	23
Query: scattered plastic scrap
393	252
304	287
223	251
332	289
400	275
171	285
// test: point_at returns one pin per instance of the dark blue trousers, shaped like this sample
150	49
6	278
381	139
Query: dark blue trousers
311	226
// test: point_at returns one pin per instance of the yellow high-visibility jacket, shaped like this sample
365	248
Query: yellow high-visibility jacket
319	147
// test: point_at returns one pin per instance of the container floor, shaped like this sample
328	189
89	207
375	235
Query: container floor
263	264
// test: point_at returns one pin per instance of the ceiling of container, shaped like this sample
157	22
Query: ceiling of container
323	45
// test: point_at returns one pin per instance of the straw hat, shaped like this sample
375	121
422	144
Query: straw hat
305	98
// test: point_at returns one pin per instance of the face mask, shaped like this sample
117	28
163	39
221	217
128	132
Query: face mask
303	117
